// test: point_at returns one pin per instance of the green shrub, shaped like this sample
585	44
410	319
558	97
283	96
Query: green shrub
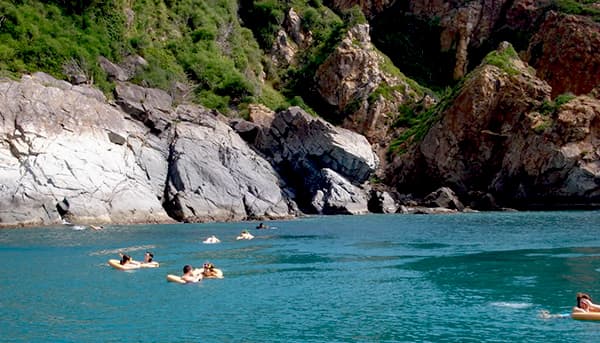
581	7
503	60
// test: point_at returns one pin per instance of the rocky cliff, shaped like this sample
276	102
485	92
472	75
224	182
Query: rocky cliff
514	127
68	154
502	138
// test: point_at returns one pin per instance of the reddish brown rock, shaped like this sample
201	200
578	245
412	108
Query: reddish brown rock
502	134
566	53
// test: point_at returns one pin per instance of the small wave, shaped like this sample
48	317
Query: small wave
117	251
515	305
544	314
78	227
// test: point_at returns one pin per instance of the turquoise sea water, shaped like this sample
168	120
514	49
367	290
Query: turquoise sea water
377	278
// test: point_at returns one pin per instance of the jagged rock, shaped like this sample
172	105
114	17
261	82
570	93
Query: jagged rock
54	147
133	64
492	138
559	165
247	130
113	71
284	49
300	146
483	201
214	175
443	197
293	25
349	80
149	105
576	68
333	194
382	202
295	137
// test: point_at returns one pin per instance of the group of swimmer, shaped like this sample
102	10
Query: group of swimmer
190	274
244	235
149	262
208	271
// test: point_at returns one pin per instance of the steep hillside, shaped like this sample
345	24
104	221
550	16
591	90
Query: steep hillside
348	105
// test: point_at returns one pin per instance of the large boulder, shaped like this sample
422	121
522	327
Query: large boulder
333	194
301	146
215	176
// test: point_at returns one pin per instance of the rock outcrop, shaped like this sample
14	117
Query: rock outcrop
215	176
326	165
67	154
364	87
290	37
55	145
566	53
498	135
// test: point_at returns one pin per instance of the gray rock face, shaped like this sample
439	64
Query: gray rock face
382	202
55	146
214	175
444	197
150	106
302	146
335	195
66	155
113	71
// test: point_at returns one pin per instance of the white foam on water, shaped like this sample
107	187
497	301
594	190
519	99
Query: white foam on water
508	304
123	250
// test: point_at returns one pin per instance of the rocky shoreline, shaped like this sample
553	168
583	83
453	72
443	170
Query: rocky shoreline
500	140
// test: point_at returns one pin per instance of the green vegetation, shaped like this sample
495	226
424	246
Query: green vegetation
548	108
418	121
503	60
578	7
199	42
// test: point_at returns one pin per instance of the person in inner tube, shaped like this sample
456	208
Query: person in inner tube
585	304
190	274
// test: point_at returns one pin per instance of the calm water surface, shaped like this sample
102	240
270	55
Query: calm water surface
378	278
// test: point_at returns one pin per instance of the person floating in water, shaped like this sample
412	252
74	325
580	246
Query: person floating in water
262	226
585	304
211	240
126	259
149	260
191	275
245	235
210	272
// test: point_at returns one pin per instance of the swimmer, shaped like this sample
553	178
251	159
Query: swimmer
149	260
245	235
211	240
210	272
126	259
585	304
191	275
